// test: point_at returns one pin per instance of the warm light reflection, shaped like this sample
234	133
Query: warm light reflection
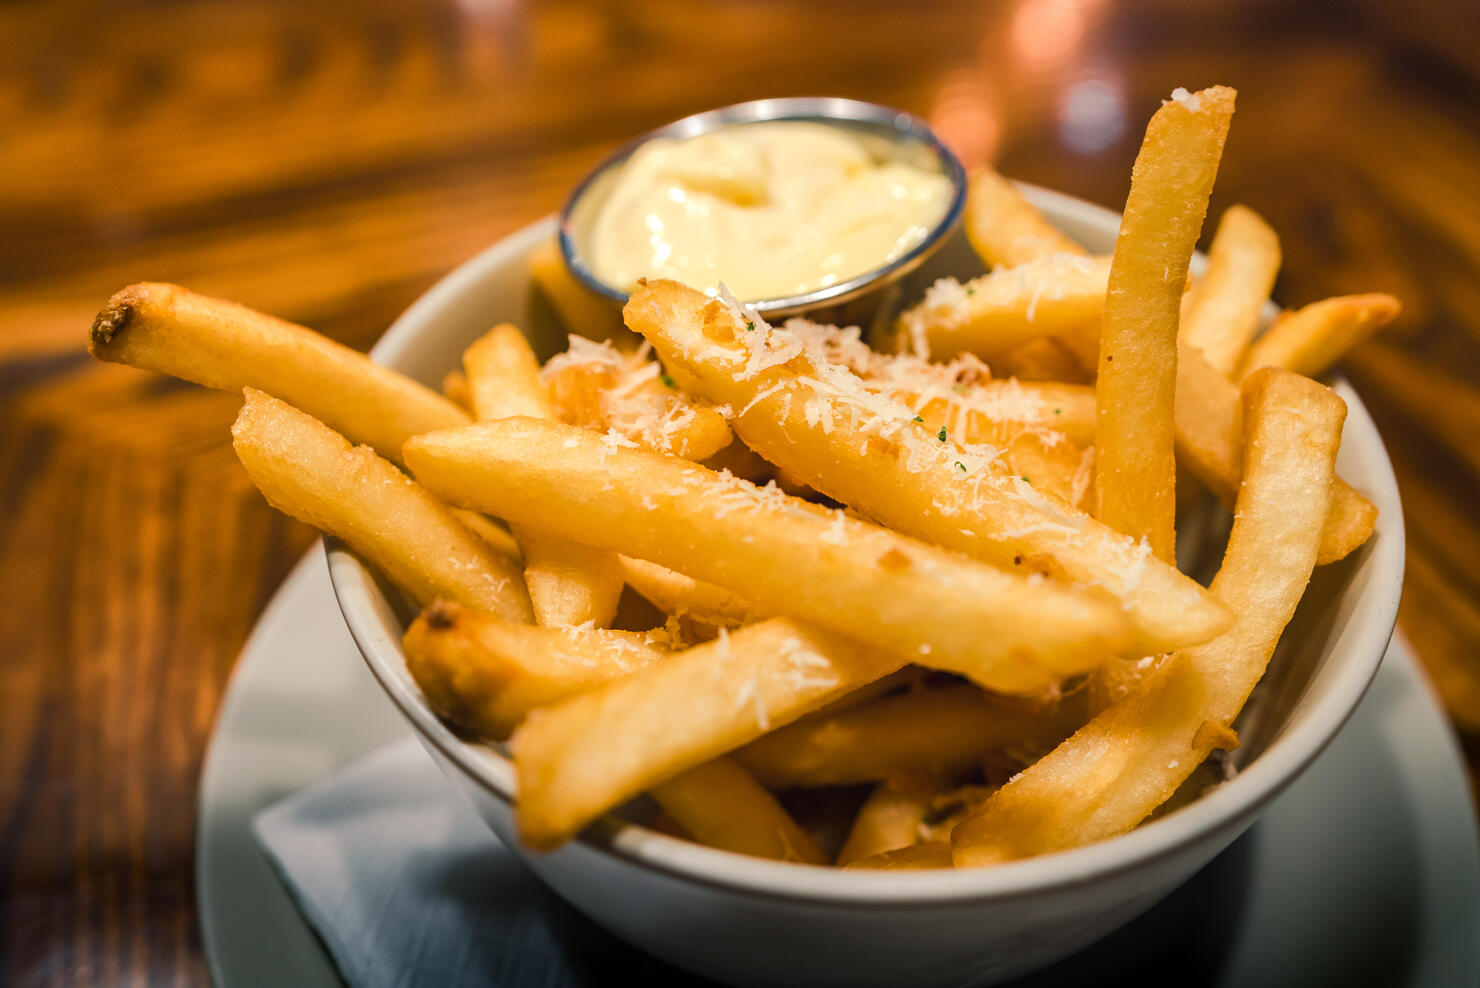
1092	115
1047	33
965	118
487	10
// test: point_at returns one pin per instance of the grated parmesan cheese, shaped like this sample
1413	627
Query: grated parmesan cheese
1192	101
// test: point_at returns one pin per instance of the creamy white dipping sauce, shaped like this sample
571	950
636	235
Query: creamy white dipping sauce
771	209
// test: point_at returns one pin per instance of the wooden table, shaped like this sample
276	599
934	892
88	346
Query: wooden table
328	162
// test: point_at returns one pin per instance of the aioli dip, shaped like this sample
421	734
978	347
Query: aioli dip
771	209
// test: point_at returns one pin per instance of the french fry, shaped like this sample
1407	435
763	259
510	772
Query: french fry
936	733
455	387
1046	460
1310	339
485	675
503	376
787	555
1029	445
172	330
1135	466
1209	443
1061	296
498	538
1063	469
1117	679
569	583
583	312
1004	228
918	857
998	411
310	472
684	596
1220	312
1043	359
887	821
819	422
1129	759
600	389
721	805
580	758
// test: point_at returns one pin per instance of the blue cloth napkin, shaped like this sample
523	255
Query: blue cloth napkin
404	885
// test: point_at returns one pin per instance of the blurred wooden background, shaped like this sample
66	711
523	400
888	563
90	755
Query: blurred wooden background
328	162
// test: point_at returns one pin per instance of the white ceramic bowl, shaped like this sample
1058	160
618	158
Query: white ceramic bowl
752	922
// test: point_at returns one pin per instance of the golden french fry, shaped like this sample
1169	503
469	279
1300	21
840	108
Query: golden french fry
721	805
1117	679
503	376
1004	228
1018	420
569	583
1310	339
787	555
172	330
1209	443
931	854
820	422
583	312
307	470
1043	359
498	538
485	675
455	387
598	388
999	411
1065	470
1049	462
1061	296
674	593
887	821
1220	312
578	759
1130	758
1351	522
933	733
962	394
1135	465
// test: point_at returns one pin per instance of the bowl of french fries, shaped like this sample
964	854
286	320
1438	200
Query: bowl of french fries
799	654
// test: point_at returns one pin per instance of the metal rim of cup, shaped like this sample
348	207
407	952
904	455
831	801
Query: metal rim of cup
822	109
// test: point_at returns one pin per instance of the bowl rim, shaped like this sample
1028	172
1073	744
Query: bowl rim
798	108
1227	806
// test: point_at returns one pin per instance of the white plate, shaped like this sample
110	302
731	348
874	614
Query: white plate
1366	871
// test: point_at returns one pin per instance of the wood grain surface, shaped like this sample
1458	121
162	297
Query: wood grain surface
327	162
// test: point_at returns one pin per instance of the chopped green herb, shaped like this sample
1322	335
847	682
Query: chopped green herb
1029	481
941	435
961	465
667	379
919	419
960	389
1058	411
749	326
970	290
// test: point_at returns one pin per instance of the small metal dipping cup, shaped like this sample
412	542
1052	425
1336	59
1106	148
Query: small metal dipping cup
889	135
